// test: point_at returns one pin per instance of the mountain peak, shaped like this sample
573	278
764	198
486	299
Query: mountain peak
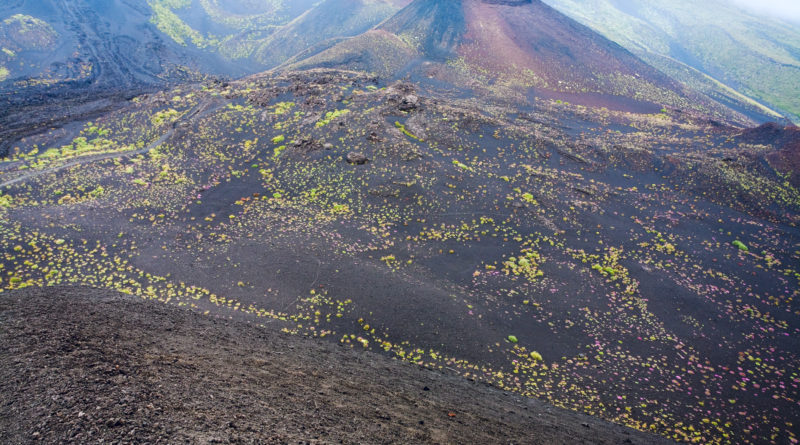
508	2
508	47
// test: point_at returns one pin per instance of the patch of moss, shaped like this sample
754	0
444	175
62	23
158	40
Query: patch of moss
330	116
402	128
165	19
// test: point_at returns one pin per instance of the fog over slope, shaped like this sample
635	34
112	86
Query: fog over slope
781	9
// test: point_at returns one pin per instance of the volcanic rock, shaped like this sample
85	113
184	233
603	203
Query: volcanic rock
357	158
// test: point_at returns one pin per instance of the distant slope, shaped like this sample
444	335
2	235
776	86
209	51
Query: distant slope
758	57
81	364
375	51
330	19
125	43
104	43
266	34
513	48
90	54
21	34
87	55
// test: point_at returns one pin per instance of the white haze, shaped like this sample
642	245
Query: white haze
783	9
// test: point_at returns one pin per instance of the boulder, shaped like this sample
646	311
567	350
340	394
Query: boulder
356	158
408	103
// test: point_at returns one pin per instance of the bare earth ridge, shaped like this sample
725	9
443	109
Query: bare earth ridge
81	365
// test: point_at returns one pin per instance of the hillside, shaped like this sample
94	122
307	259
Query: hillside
109	44
329	20
82	364
126	43
717	48
430	221
640	268
514	49
90	55
87	56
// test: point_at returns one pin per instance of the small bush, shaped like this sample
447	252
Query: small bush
740	245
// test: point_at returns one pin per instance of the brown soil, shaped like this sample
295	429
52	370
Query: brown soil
785	141
79	365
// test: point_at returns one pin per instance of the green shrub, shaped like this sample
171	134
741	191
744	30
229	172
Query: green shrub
330	116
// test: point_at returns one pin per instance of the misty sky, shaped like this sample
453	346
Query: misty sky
785	9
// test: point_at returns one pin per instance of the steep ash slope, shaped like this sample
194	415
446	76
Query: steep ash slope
513	49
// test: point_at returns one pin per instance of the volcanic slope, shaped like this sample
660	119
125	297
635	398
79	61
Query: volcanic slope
638	268
81	365
511	48
718	48
329	20
120	44
87	55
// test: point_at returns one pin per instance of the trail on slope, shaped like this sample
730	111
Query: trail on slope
85	160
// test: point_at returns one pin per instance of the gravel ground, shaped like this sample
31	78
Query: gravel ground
80	365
